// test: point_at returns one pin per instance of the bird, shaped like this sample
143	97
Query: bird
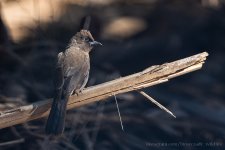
71	76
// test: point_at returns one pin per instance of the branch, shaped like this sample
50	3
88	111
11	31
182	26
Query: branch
151	76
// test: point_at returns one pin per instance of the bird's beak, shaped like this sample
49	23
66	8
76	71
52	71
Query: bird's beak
94	43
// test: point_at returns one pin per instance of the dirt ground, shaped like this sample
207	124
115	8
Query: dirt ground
136	34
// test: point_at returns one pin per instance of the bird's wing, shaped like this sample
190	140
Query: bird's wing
75	76
58	77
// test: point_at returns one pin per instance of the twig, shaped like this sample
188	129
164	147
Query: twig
149	77
12	142
87	22
156	103
121	123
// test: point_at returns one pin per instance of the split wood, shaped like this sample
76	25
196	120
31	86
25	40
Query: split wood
149	77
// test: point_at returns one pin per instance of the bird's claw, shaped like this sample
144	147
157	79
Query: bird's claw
77	92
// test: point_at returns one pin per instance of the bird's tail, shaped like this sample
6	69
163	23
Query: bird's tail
56	119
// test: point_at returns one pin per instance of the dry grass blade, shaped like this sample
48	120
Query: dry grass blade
118	110
156	103
12	142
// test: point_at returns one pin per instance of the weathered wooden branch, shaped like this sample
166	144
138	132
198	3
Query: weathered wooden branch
146	78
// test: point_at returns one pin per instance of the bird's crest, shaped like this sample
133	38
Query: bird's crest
85	33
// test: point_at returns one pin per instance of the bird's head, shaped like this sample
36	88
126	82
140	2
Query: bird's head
84	41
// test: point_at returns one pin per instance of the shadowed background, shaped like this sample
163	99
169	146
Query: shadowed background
135	34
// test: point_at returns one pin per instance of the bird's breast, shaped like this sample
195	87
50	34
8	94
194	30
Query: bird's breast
76	58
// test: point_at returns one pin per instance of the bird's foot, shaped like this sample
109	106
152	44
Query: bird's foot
77	92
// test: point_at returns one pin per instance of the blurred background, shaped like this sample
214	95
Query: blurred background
135	34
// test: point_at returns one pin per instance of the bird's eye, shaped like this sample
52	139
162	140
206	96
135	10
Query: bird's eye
86	39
